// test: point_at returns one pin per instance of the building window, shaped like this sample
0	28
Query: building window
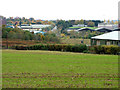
98	42
108	42
117	43
113	42
93	41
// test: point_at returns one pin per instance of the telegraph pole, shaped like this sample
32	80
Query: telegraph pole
7	40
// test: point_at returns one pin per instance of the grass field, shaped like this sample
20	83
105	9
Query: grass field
51	69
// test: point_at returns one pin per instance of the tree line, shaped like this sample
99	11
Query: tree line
17	33
63	24
18	21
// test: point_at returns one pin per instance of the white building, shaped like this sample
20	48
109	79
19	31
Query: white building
34	27
39	26
108	26
80	25
111	38
31	29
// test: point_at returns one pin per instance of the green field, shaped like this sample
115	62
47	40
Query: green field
51	69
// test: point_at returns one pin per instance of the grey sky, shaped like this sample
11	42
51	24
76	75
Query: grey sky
61	9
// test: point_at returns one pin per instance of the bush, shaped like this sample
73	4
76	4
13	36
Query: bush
21	47
54	47
79	48
69	48
104	49
112	49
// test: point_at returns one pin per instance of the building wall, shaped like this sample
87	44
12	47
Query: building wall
79	25
3	20
108	26
104	42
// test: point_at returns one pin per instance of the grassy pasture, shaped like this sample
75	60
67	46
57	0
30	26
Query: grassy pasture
51	69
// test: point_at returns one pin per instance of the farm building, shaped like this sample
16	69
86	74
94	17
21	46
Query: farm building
116	30
103	30
80	25
36	32
69	30
33	27
39	26
85	29
111	38
108	26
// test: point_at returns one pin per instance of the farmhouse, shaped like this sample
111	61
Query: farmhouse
111	38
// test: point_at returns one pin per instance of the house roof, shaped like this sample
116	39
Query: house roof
116	30
39	32
98	29
25	27
39	26
115	35
82	29
104	30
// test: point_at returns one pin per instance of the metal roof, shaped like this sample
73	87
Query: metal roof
102	28
82	29
25	26
38	32
115	35
116	30
40	26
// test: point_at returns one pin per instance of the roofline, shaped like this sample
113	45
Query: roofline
104	39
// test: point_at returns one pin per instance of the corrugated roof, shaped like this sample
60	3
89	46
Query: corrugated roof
81	29
38	32
39	26
102	28
115	35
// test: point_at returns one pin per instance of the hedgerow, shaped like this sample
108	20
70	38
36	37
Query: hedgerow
54	47
105	49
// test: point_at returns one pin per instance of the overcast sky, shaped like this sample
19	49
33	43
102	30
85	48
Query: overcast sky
61	9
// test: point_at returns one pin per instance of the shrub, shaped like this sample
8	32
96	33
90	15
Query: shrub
79	48
104	49
21	47
111	49
54	47
69	48
98	49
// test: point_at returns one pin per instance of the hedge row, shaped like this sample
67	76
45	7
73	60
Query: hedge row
104	49
56	47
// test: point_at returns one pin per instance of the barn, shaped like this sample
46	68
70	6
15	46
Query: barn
103	30
111	38
85	30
